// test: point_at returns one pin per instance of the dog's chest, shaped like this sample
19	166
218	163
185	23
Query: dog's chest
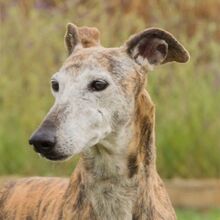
113	201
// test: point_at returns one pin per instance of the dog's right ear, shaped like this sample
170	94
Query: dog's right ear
72	38
78	37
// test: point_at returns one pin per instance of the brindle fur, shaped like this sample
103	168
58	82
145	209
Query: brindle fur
136	193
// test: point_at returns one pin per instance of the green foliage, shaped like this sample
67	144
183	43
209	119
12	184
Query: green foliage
188	121
196	215
186	96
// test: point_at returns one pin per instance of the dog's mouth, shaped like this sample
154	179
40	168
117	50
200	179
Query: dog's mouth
54	157
50	154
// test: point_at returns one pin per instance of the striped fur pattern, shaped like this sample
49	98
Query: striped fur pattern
116	178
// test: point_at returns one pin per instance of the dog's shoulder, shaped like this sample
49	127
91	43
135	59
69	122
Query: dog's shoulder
31	196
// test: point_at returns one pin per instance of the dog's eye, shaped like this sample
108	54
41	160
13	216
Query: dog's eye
55	85
98	85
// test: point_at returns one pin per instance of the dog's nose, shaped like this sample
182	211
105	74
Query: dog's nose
44	139
42	142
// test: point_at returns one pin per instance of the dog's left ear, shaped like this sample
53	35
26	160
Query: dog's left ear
155	46
78	37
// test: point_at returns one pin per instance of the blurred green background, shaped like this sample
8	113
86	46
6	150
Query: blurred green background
187	97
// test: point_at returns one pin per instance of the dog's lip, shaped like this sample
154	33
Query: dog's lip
53	156
50	155
56	157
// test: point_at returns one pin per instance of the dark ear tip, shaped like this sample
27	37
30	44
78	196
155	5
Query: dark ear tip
187	56
70	27
184	57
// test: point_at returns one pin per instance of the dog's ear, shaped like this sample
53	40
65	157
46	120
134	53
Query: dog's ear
71	37
80	37
155	46
89	36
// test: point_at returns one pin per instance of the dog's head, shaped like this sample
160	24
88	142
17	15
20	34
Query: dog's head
96	88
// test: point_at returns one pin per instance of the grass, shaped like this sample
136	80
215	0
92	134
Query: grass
188	214
186	96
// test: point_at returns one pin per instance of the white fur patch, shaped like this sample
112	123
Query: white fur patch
141	60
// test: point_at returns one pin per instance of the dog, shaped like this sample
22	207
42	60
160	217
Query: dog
103	112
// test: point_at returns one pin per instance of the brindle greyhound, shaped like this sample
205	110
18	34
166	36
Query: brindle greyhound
103	112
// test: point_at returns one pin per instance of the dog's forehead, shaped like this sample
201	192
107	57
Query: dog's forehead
109	60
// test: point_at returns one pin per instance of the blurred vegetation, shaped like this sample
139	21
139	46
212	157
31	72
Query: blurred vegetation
184	214
187	96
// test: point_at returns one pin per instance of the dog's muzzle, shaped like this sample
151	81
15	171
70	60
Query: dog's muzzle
44	140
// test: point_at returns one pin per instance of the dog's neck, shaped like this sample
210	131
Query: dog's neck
108	160
109	172
105	171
